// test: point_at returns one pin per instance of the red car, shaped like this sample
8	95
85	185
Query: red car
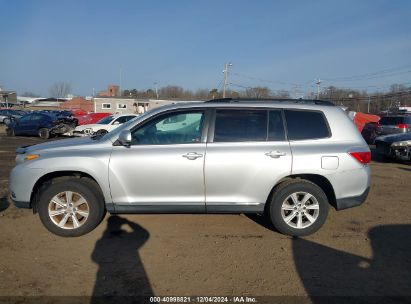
91	118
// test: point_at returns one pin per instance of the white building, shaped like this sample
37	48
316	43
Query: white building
126	105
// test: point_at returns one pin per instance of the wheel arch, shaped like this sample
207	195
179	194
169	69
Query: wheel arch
317	179
55	176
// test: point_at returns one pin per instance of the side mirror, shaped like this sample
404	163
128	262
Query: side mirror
116	122
125	138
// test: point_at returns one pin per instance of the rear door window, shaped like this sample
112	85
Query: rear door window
303	125
276	126
240	125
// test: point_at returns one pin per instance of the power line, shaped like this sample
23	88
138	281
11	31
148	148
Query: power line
364	87
371	74
265	80
220	83
384	96
239	85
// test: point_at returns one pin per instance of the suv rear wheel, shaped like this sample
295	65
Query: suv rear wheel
71	207
298	208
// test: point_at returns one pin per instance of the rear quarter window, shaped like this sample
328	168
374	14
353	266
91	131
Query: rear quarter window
302	125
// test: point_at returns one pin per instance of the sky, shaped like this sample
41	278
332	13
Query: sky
284	45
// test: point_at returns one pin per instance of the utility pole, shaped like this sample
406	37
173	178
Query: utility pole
227	66
120	83
369	101
318	83
155	85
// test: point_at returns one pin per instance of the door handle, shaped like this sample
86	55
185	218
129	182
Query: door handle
275	154
192	155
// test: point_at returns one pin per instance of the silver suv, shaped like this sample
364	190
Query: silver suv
288	159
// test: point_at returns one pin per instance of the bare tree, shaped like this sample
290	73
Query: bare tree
171	92
258	92
60	89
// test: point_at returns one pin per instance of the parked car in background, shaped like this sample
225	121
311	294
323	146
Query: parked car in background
221	156
7	105
394	124
369	132
104	125
394	146
59	113
7	115
91	118
40	124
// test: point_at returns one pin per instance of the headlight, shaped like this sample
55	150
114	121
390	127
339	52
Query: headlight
401	143
31	157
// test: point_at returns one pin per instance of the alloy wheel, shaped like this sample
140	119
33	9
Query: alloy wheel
300	210
68	210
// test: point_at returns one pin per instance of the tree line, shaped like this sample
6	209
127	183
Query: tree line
360	101
354	100
176	92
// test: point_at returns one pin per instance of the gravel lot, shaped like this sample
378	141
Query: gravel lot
359	251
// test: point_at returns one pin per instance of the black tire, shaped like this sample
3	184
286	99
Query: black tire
44	133
10	132
282	192
101	132
91	195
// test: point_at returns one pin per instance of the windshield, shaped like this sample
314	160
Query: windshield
105	120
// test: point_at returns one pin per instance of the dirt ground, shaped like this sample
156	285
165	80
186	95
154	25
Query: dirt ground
359	251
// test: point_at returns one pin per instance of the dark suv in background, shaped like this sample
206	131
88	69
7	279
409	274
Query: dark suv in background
393	124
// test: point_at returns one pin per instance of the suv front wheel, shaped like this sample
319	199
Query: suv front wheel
298	208
71	207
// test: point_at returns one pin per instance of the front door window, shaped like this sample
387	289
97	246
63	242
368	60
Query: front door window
169	129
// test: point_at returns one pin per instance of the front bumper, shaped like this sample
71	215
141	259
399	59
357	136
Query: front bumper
77	134
18	204
21	184
400	152
82	133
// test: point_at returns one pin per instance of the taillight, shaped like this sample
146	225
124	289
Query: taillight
402	126
362	157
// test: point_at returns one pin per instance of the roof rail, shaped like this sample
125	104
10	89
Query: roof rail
272	100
